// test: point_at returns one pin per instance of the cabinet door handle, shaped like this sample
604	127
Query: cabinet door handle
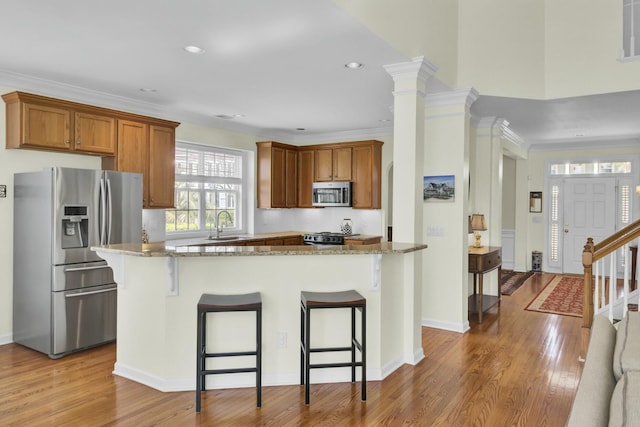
78	142
67	142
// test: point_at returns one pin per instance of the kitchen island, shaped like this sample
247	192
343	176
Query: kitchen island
159	286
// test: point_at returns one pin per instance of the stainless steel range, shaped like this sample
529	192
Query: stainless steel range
323	238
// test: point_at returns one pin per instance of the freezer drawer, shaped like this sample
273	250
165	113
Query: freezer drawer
83	275
83	318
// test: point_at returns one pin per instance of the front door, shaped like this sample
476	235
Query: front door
589	211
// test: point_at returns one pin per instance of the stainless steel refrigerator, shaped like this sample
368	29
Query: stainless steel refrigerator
64	296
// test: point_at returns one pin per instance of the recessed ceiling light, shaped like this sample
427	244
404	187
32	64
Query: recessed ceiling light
194	49
300	129
354	65
148	90
230	116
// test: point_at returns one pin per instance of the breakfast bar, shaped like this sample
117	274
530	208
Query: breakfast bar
159	285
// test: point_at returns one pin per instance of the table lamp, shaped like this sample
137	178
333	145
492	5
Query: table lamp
478	225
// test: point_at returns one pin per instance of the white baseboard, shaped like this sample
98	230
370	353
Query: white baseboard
242	380
6	339
447	326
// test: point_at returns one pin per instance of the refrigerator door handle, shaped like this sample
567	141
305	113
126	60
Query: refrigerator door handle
84	294
98	267
103	212
110	214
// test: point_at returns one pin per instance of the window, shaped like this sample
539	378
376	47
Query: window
630	28
554	216
209	181
590	168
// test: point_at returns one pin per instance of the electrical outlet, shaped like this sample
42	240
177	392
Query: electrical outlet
3	191
282	340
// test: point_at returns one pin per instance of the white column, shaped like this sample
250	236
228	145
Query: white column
408	147
447	142
486	187
410	79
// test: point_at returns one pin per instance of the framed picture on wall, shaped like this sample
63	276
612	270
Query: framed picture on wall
535	201
439	188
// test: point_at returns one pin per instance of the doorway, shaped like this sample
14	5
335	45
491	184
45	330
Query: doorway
589	211
581	207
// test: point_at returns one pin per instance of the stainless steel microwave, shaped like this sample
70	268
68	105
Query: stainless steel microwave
331	193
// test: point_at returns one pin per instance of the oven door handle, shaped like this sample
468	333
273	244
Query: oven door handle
82	294
95	267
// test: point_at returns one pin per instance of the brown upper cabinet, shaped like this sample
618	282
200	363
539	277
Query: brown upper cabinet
38	122
128	142
367	171
359	162
333	164
149	149
305	176
277	175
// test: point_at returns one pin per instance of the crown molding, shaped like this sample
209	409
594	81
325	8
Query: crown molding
465	96
502	125
418	68
86	96
625	141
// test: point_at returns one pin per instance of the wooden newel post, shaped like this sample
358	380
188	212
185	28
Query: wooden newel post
587	303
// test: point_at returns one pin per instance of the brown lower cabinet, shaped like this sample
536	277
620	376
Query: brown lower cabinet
293	241
368	241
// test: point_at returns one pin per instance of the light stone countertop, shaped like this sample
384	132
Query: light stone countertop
164	249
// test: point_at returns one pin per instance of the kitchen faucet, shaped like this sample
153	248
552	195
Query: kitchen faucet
218	227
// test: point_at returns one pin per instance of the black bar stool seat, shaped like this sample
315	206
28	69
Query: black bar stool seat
210	303
324	300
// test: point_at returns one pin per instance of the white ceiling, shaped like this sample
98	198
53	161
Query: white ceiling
279	63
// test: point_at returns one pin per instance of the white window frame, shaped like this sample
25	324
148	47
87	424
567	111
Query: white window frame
241	199
630	50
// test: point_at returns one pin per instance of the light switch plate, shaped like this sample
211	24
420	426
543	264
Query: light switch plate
3	191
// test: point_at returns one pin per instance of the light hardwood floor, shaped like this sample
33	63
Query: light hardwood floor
518	368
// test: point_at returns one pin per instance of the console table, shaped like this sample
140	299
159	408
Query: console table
481	261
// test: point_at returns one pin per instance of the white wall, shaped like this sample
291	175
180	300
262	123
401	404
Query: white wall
423	28
539	49
582	44
501	47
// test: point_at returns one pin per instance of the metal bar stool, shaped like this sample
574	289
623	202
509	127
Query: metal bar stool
210	303
346	299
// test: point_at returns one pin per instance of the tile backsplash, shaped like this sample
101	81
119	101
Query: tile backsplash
153	221
271	220
316	220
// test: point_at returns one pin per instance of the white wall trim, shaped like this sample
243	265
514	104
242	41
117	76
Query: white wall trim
6	339
419	68
447	326
508	248
623	141
241	380
465	96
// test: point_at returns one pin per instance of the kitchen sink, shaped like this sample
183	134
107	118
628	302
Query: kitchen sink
223	238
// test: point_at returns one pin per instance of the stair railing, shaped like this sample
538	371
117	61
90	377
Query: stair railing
591	254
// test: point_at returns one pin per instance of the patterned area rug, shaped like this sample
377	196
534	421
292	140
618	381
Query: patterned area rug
511	280
563	295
